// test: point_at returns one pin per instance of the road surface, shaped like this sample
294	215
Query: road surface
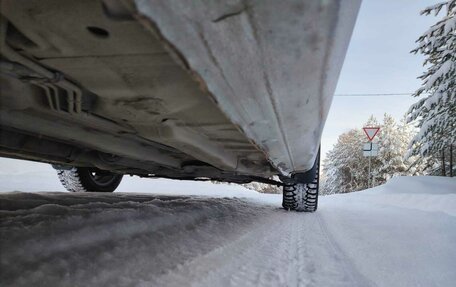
401	235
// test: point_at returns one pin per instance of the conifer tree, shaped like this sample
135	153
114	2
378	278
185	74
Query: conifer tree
435	111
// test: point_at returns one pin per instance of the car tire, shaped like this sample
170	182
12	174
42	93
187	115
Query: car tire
300	196
82	179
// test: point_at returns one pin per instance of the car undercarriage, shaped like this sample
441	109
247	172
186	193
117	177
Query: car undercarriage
152	88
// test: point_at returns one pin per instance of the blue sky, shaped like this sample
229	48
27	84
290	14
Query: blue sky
378	61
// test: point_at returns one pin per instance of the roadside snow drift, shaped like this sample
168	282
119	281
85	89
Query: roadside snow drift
399	234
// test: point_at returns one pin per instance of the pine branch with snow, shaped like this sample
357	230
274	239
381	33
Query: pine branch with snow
435	111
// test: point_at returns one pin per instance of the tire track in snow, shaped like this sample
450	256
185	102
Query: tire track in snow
350	270
231	264
283	249
171	242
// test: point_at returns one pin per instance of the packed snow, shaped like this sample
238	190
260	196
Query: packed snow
398	234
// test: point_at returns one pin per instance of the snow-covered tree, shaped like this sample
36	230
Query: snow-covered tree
435	111
393	144
346	169
344	165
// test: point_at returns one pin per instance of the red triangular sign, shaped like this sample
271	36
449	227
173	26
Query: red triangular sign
371	132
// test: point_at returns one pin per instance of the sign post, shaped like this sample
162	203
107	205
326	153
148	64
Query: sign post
370	149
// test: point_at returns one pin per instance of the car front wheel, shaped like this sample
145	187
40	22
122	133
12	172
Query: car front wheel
83	179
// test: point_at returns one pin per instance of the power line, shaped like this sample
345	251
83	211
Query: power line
373	95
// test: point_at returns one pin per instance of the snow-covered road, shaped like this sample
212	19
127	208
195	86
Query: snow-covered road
400	234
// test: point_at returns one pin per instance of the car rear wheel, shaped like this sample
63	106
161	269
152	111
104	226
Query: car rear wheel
302	196
82	179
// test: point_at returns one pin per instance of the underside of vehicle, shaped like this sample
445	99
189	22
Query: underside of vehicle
235	91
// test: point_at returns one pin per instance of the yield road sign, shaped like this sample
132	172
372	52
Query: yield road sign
371	132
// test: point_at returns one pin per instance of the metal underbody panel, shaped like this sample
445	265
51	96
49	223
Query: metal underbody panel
170	88
271	65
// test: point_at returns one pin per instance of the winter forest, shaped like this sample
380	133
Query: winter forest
423	143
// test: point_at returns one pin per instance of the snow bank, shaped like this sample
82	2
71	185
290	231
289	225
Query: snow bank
425	193
431	185
402	233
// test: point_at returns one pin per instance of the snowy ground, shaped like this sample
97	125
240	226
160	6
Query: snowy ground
400	234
